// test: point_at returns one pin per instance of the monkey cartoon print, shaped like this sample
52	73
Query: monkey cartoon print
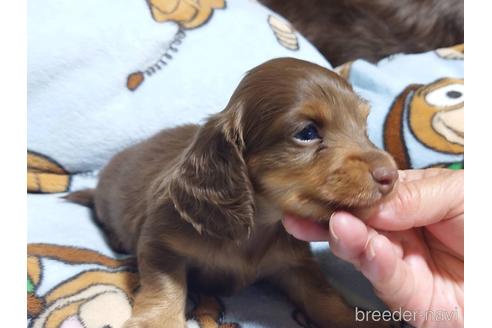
432	115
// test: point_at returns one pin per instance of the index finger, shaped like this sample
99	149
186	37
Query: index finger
422	198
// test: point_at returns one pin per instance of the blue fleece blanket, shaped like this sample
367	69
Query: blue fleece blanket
106	74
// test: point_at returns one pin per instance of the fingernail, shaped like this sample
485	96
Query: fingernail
371	253
332	232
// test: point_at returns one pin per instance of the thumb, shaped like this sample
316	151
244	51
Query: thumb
421	199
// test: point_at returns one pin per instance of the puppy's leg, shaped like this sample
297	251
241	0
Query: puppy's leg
161	299
307	287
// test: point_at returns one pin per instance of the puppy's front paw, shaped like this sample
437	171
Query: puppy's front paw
135	323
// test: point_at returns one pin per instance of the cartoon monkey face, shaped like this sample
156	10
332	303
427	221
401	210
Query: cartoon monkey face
96	298
436	115
99	297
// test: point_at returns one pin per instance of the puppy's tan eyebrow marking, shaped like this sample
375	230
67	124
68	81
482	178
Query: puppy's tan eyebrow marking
317	111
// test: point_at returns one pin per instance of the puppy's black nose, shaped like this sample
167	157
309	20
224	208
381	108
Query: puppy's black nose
385	177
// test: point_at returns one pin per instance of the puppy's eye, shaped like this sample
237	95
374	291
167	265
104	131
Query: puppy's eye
309	133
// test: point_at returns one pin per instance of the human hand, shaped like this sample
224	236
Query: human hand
411	247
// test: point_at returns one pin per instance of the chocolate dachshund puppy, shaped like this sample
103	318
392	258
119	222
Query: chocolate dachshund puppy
201	206
345	30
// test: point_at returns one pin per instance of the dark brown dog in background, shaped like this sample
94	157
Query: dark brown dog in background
345	30
201	206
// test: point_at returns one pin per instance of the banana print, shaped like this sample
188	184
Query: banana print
284	32
44	175
456	52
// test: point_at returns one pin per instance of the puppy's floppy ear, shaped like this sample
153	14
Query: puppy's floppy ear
210	187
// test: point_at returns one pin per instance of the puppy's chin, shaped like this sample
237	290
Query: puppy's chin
321	210
368	211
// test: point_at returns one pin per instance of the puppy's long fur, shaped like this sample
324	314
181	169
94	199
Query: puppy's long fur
201	206
345	30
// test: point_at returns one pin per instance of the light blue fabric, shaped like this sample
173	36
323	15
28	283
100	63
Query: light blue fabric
81	112
54	221
383	82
